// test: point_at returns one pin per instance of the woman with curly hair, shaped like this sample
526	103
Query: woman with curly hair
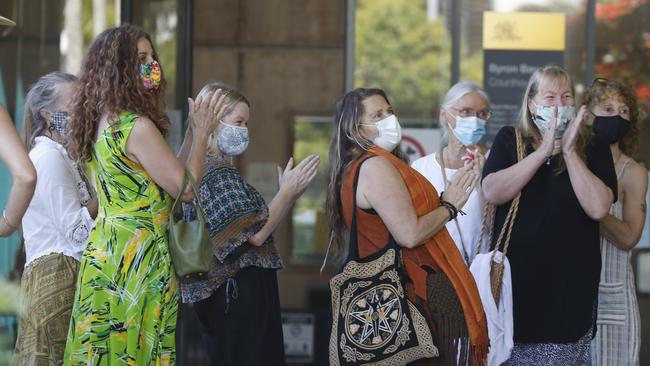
127	298
615	110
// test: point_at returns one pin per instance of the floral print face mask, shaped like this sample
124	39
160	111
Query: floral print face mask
151	75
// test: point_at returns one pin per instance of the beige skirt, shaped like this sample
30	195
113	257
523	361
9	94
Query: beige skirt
47	289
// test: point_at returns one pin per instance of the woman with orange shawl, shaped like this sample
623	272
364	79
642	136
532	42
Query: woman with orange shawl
394	199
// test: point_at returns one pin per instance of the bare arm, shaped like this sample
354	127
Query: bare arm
625	233
593	195
293	183
147	146
23	174
383	189
93	205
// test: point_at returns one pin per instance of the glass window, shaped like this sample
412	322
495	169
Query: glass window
623	43
403	47
160	18
312	135
472	33
48	36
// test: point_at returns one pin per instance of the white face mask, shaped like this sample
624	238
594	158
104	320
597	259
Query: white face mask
390	133
544	114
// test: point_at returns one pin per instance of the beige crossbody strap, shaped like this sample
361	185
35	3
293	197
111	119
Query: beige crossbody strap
497	268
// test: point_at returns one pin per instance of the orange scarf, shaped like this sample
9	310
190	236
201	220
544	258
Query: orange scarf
441	254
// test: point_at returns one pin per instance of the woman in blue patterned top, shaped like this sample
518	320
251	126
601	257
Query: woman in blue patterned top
238	303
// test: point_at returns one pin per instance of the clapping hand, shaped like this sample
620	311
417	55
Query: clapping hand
550	145
205	113
571	134
476	159
296	179
461	185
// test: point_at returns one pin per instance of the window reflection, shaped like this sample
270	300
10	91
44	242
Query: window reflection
623	43
82	22
403	47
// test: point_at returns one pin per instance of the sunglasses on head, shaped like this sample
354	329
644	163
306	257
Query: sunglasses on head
602	81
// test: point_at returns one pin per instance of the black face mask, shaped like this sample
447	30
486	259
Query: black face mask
611	129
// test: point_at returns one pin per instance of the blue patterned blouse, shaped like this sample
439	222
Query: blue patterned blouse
234	212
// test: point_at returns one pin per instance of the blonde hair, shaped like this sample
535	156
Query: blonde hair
543	76
234	96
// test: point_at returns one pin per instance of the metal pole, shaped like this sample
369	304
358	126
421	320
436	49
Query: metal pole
591	41
184	53
455	41
126	11
350	12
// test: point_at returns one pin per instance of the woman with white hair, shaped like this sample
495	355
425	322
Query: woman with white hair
55	226
464	114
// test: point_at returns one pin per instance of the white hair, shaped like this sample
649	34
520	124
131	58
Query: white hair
457	91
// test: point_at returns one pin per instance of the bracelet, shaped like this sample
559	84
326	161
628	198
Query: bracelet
449	210
4	217
453	211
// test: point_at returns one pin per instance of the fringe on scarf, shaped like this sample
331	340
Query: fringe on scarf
450	334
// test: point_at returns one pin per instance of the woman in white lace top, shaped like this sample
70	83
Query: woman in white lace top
55	226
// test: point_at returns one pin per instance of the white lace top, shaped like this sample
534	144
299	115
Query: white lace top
56	220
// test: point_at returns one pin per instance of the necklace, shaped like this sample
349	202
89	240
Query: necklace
446	183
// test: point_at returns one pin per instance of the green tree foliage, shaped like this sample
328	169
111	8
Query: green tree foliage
401	51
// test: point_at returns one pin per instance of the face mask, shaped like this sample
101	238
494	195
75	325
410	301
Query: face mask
59	120
469	130
390	133
232	140
544	115
611	129
151	75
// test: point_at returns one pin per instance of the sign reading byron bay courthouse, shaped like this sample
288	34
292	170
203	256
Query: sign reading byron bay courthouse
515	45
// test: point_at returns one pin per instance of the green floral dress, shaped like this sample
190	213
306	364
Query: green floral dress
127	297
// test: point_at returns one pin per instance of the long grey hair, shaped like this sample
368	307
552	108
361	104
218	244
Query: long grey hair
44	95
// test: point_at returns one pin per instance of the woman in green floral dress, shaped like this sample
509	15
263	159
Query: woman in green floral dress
127	297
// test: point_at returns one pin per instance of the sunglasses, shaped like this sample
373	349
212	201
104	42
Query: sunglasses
602	81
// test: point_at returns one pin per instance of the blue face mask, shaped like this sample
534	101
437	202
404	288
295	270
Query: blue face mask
469	130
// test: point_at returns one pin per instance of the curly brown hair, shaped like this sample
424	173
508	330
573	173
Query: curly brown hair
603	89
110	83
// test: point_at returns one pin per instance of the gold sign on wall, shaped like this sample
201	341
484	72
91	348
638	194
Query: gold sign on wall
524	31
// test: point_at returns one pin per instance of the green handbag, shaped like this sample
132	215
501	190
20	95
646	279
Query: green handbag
189	242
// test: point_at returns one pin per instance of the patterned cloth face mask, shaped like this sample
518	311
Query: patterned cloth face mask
151	75
59	120
544	115
232	140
